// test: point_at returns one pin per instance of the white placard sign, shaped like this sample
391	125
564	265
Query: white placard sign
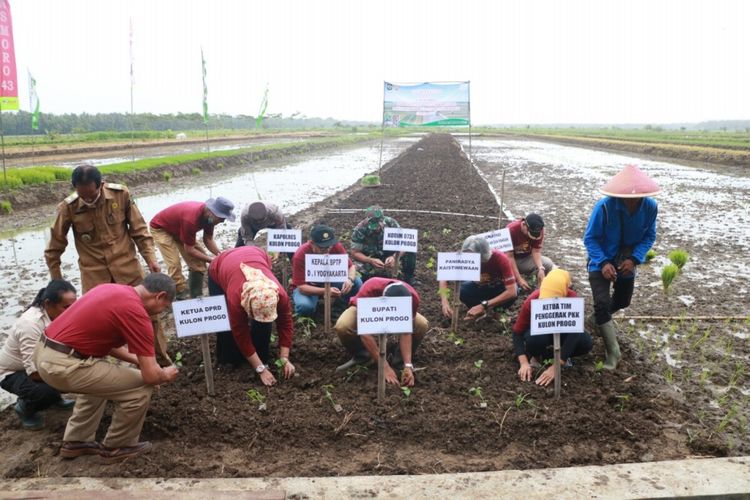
499	239
399	239
458	266
557	315
201	315
284	240
381	315
326	268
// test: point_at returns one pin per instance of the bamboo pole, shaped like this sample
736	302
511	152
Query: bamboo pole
327	308
669	318
207	365
456	305
558	367
383	341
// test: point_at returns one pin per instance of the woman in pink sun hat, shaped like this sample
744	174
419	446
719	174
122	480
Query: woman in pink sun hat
621	229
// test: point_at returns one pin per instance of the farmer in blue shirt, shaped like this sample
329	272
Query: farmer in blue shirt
622	228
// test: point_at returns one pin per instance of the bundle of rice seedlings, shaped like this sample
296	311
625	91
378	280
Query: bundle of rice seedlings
668	274
678	258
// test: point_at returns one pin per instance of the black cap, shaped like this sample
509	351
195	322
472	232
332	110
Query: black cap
323	236
535	224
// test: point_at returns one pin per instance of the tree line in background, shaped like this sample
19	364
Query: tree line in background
19	123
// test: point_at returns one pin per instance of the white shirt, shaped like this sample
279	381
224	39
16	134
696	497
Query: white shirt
17	353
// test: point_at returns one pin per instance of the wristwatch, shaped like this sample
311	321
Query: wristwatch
485	304
260	368
409	366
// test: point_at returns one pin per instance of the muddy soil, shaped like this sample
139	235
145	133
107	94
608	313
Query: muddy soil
602	418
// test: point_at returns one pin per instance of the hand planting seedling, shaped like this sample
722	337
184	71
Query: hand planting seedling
328	394
668	274
477	392
679	258
255	396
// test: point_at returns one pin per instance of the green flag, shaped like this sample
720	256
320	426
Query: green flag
205	90
33	103
263	106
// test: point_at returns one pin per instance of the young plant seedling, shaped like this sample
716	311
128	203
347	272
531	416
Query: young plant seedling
622	399
444	293
521	399
477	393
598	367
352	372
305	324
430	263
328	394
446	231
406	392
668	274
478	364
453	337
178	358
280	364
679	258
255	396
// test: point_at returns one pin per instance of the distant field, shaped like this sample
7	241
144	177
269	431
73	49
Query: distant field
712	139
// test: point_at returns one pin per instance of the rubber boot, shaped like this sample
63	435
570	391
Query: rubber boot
195	283
591	325
611	347
359	354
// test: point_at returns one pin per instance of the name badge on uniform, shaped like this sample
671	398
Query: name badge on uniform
86	238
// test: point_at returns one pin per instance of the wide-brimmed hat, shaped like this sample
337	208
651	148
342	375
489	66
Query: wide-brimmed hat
555	284
323	236
221	207
630	182
260	295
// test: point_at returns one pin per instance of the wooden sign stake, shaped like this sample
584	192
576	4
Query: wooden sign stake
207	365
383	339
558	367
456	305
327	308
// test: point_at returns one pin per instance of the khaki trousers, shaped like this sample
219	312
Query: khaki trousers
346	327
171	249
526	265
97	381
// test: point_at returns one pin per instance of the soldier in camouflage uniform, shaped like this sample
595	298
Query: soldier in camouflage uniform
367	248
107	228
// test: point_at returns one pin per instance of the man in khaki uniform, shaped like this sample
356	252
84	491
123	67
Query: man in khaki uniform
107	227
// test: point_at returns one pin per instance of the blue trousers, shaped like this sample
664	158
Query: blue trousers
304	305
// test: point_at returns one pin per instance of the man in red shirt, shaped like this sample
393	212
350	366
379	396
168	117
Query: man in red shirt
255	298
527	235
71	358
496	287
364	348
174	230
306	294
557	284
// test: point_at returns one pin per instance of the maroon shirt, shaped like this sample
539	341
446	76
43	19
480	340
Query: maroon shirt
497	269
225	271
183	221
106	317
522	244
374	288
298	261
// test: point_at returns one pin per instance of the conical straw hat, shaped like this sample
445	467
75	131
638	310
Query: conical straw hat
631	182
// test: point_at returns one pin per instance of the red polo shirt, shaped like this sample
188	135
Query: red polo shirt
298	261
374	288
496	270
522	244
183	221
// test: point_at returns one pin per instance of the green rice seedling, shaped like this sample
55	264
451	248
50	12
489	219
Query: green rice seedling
650	255
668	274
678	257
167	176
703	339
731	413
6	207
370	180
196	171
669	375
704	377
477	393
737	374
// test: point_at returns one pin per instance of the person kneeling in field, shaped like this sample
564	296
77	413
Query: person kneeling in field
306	294
496	287
71	357
364	348
527	235
255	299
556	284
18	373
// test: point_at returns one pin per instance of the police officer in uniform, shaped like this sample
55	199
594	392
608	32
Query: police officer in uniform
107	228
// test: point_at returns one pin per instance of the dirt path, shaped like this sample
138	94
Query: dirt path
603	418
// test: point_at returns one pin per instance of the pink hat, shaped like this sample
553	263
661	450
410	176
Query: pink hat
631	182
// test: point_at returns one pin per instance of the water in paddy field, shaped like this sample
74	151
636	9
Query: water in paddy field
292	184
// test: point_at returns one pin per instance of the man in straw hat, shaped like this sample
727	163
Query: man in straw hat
255	299
556	284
621	229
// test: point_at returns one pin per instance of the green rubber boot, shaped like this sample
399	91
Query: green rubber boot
195	283
611	347
591	325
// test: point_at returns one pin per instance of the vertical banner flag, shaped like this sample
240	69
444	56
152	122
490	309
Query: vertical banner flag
8	80
263	106
205	90
33	103
426	105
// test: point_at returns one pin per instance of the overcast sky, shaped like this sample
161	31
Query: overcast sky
551	61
